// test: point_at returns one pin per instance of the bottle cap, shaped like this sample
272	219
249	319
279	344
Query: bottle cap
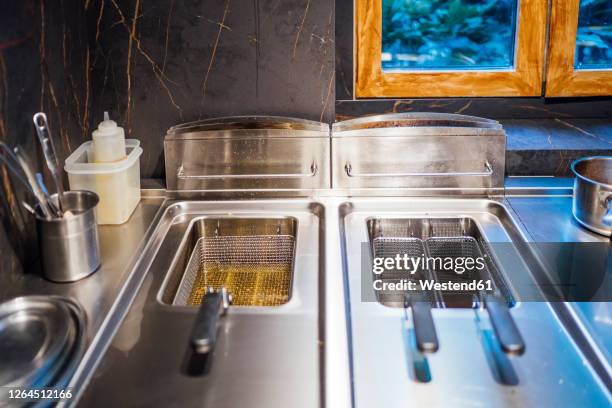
107	127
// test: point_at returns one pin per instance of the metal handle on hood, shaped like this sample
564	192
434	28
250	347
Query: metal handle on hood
488	171
180	174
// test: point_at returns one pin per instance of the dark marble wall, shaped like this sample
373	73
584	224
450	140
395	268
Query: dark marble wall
153	64
19	93
185	60
195	59
156	63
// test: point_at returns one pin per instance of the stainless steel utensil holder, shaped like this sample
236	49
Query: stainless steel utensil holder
69	247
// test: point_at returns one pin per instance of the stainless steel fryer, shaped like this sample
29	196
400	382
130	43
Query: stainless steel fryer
234	260
326	346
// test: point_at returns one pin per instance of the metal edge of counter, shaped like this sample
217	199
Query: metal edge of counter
117	311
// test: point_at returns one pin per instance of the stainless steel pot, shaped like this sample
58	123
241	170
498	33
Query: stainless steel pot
592	206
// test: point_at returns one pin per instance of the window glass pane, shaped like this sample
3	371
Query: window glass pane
594	38
448	34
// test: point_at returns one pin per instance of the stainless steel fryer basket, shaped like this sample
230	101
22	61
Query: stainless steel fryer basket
437	237
256	270
252	257
385	247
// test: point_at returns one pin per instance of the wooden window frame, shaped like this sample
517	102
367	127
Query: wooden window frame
524	80
561	77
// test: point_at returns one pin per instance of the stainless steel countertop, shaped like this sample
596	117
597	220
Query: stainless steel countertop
549	219
545	214
119	246
534	212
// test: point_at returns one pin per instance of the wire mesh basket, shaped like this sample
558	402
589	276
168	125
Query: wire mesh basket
455	248
255	269
439	240
389	247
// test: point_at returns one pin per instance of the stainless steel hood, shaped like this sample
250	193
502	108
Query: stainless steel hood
408	154
418	154
247	154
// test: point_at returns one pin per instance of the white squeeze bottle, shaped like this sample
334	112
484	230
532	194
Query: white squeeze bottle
109	146
108	142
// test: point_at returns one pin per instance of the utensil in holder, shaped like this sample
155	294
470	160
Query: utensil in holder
69	246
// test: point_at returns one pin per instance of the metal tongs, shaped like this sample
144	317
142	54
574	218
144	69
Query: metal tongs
46	142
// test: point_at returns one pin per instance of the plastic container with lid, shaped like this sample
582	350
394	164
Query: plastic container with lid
117	183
